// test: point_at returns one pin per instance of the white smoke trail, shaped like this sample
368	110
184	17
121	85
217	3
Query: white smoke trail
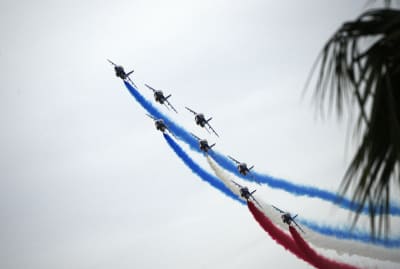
224	177
341	246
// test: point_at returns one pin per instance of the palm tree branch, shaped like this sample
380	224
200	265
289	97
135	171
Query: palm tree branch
361	63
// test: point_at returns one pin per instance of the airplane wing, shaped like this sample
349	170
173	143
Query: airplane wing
171	132
255	179
151	88
130	80
208	131
255	200
279	210
111	62
166	106
212	129
150	116
198	138
194	112
237	184
298	226
173	108
233	159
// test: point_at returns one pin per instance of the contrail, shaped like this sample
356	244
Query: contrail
213	181
226	163
296	189
358	243
177	130
276	234
338	239
341	240
317	260
223	177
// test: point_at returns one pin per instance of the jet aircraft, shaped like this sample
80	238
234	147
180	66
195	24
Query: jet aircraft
159	97
242	167
287	218
203	144
245	193
159	123
120	72
201	120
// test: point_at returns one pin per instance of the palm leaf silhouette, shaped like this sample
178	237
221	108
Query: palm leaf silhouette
359	69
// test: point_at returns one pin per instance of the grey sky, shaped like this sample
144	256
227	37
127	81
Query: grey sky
85	179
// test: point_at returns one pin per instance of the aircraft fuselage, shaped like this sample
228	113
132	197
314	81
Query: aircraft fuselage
286	218
159	97
242	168
200	120
160	125
120	72
244	192
204	145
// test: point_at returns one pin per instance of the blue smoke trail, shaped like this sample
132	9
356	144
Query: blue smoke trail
212	180
342	232
356	235
227	164
175	129
296	189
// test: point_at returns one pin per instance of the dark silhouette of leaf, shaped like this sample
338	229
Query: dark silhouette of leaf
360	67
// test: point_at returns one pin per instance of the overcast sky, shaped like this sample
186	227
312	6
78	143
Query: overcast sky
85	179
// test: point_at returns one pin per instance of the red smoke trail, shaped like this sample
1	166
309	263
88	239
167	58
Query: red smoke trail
317	260
278	235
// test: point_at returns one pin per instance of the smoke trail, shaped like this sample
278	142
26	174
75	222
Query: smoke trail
177	130
296	189
276	234
226	163
358	235
318	260
341	240
213	181
344	242
338	239
223	177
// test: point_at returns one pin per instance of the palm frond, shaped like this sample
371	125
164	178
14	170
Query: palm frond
360	67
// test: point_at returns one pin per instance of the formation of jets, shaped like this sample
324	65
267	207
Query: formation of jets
201	120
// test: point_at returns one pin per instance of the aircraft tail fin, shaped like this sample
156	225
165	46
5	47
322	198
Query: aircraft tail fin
129	73
167	97
212	145
251	167
209	119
